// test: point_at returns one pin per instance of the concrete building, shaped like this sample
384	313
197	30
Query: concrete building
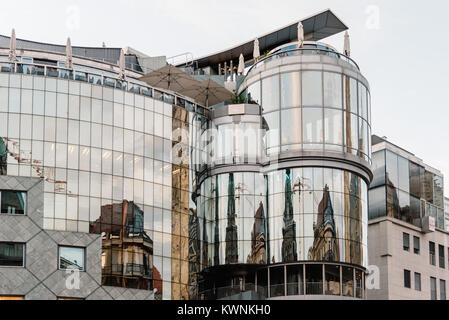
188	193
408	238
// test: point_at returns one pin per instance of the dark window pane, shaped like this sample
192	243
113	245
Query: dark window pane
314	279
417	281
442	290
11	254
277	282
416	245
433	288
441	256
432	253
407	280
13	202
406	241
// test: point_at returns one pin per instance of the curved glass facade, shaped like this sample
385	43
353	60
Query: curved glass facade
308	214
314	110
105	155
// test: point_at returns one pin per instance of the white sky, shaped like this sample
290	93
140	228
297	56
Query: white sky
403	53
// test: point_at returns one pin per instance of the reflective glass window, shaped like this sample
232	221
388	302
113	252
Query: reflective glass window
270	93
333	126
312	94
13	202
71	258
290	90
313	125
291	126
332	90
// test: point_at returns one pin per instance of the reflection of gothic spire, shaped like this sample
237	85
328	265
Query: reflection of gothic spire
231	229
325	245
289	248
257	254
217	228
194	257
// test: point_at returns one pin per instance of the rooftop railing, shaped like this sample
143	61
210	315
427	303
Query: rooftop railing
303	51
133	86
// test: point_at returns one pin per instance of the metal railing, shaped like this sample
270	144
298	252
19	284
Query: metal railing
303	51
226	292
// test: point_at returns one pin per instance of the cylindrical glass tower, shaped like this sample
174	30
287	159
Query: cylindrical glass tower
285	210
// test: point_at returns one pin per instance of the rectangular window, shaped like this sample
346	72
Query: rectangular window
417	281
442	290
12	254
433	289
71	258
441	256
407	279
406	241
13	202
416	245
432	253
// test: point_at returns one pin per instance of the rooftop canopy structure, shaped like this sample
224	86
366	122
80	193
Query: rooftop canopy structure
316	27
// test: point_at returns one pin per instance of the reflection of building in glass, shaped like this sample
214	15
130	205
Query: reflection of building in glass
180	209
127	258
289	249
258	236
325	244
407	232
231	229
303	180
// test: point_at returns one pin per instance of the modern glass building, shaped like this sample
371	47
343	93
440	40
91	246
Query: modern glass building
147	190
408	238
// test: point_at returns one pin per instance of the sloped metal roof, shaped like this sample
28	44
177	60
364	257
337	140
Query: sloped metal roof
316	27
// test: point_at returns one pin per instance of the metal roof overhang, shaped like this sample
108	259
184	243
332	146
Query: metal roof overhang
316	27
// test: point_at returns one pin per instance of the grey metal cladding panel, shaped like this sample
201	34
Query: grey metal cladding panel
16	281
40	293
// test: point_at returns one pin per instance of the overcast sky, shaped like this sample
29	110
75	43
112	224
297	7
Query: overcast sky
400	46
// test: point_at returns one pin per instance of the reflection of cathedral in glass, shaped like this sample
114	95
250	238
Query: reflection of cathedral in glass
289	247
231	229
325	244
258	248
127	258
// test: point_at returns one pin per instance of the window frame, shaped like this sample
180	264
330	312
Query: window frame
432	255
407	279
23	254
406	241
418	277
25	209
416	248
72	247
441	256
443	286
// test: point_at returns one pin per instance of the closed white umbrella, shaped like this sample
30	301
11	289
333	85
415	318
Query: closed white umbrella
12	46
122	64
68	53
347	48
256	52
300	34
241	67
